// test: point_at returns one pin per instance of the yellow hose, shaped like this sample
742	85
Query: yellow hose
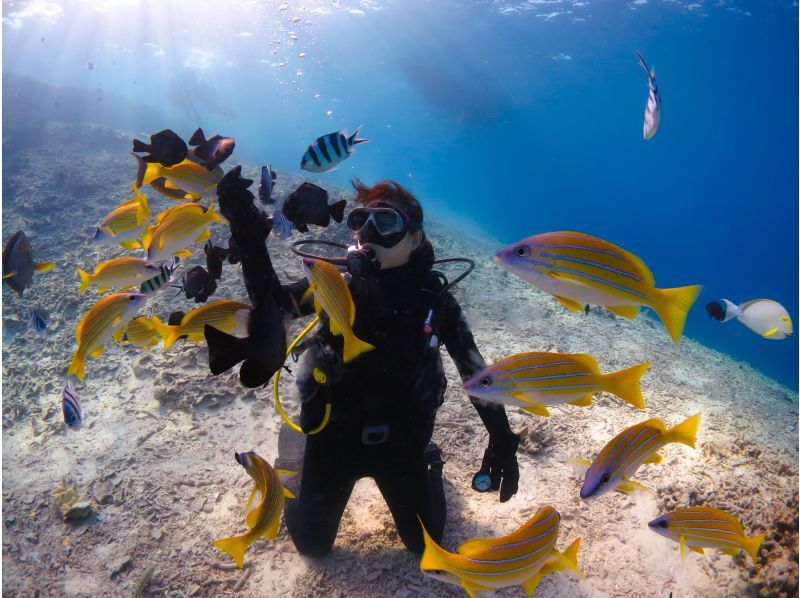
278	405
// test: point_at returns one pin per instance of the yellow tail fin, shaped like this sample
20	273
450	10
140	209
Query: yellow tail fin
146	172
76	367
44	266
672	306
169	334
211	215
433	557
571	555
86	280
235	546
625	384
685	432
752	546
353	347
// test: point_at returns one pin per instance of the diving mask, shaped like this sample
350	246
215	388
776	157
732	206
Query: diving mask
386	221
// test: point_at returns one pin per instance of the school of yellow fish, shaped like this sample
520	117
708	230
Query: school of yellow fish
575	268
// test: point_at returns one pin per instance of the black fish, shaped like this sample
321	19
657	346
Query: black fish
265	186
263	351
18	264
165	147
212	151
308	204
39	320
716	310
198	284
586	309
214	258
233	251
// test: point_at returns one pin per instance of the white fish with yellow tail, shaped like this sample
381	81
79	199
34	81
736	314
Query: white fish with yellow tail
332	295
767	318
231	317
628	450
579	269
652	112
106	319
263	510
141	333
487	564
701	527
120	273
533	380
177	229
188	176
125	223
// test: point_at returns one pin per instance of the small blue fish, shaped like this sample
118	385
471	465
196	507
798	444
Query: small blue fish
71	407
38	319
327	151
265	186
281	225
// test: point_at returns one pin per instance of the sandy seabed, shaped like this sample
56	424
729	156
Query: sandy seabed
155	453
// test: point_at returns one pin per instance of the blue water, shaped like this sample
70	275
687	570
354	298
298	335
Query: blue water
524	116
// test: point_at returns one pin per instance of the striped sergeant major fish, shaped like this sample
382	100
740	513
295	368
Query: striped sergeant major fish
652	112
161	280
701	527
533	380
519	558
70	406
579	269
628	450
232	317
332	296
263	509
106	319
329	150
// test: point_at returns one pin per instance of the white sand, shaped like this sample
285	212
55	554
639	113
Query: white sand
156	450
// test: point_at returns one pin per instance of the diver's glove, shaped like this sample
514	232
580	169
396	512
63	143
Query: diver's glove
499	469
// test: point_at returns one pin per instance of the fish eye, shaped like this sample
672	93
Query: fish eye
604	478
522	251
486	382
663	523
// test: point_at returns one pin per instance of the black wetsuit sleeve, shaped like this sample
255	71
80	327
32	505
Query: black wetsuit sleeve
460	344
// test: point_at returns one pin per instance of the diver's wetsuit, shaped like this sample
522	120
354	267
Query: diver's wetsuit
383	409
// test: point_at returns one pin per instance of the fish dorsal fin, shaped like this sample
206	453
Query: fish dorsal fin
586	360
656	423
624	311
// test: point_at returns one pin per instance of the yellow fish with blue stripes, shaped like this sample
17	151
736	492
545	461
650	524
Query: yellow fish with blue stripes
141	333
125	223
628	450
580	270
191	178
121	273
332	295
177	228
488	564
106	319
264	509
533	380
232	317
701	527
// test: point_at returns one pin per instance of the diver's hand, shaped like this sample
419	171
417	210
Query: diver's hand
499	469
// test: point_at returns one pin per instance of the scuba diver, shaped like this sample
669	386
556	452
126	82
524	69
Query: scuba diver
374	416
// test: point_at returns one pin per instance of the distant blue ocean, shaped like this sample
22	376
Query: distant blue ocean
524	116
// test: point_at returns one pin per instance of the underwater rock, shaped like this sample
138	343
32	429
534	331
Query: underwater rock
78	511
